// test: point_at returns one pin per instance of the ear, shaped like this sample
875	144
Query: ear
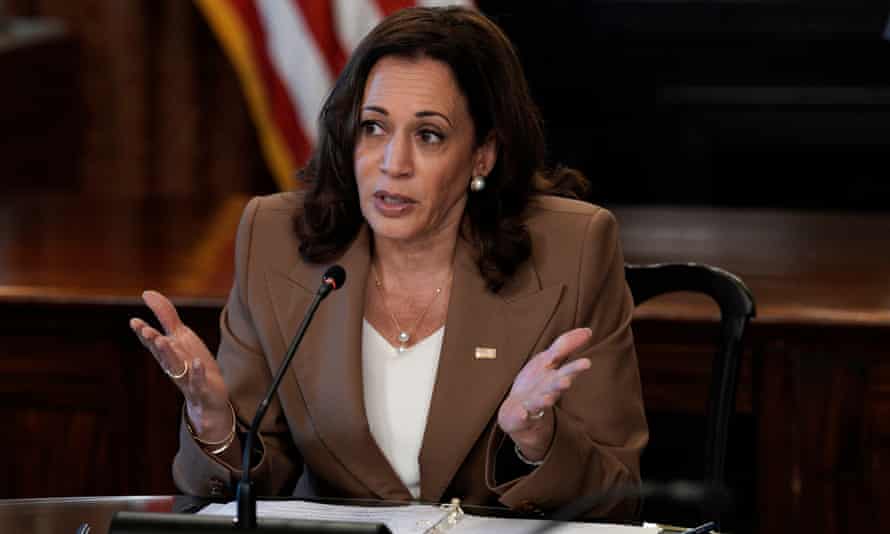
485	156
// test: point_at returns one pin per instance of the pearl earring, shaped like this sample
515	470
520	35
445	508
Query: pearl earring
477	183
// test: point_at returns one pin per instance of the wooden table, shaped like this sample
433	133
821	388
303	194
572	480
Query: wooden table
95	416
67	515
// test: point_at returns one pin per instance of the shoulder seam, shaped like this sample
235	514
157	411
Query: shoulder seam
565	205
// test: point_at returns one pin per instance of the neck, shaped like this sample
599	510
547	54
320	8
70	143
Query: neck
410	265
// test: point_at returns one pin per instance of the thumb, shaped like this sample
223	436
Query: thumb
163	309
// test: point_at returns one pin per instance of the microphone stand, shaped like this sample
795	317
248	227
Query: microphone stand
245	496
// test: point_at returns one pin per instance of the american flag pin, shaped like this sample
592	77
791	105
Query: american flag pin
486	353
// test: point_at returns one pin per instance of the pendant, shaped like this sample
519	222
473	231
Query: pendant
403	337
402	349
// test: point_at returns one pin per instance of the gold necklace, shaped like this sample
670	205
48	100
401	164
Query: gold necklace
404	335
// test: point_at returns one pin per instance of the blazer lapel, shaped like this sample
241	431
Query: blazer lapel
469	390
328	366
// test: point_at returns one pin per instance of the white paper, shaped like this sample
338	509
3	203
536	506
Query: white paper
408	519
473	524
417	518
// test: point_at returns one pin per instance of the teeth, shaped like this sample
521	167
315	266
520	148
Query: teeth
391	200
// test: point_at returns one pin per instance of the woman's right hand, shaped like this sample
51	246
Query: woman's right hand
180	351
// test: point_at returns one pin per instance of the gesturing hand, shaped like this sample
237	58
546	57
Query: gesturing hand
184	357
526	415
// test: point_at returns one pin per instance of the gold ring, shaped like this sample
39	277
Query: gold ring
179	375
532	416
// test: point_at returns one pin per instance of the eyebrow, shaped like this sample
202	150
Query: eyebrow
418	114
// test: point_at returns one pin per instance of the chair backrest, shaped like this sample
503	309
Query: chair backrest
736	310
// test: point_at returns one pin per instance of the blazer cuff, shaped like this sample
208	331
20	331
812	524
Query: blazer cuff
197	472
546	487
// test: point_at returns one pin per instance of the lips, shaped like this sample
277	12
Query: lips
393	204
393	199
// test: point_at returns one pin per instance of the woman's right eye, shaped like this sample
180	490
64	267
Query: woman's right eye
371	128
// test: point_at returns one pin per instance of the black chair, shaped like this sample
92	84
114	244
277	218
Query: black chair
736	305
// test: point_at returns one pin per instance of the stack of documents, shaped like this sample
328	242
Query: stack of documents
421	519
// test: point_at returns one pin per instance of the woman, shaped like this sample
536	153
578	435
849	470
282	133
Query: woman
482	348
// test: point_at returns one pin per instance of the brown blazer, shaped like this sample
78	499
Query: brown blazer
317	429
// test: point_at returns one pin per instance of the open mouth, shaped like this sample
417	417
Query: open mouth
392	199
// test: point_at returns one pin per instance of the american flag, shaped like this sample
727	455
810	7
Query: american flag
287	54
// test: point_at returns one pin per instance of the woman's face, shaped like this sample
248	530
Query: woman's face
415	153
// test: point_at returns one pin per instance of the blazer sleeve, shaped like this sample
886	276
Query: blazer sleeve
247	376
600	422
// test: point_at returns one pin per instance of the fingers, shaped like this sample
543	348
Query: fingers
562	379
515	415
542	382
565	345
160	346
163	310
172	360
146	334
572	368
551	387
184	357
540	402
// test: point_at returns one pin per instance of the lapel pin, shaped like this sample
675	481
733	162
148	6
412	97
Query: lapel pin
486	353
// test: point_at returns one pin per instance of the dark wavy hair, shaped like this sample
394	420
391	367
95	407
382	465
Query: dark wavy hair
488	72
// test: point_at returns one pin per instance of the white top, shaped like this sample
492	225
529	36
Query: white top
397	391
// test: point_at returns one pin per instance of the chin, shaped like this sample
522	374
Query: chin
394	234
391	229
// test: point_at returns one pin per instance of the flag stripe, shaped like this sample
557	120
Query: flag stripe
319	16
391	6
286	116
443	3
229	26
354	19
294	55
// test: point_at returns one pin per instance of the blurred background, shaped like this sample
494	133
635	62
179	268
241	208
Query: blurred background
737	103
749	134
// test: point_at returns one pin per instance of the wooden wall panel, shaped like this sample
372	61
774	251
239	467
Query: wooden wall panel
175	119
41	116
89	411
163	114
876	443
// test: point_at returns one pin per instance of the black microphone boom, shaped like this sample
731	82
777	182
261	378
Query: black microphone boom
333	278
246	520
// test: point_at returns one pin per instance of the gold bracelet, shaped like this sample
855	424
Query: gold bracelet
223	447
525	460
220	445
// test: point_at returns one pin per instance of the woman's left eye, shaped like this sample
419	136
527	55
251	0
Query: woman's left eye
430	137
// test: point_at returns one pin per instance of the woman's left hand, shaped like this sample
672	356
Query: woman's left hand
537	387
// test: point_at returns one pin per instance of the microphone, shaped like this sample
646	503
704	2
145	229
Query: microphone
124	522
334	278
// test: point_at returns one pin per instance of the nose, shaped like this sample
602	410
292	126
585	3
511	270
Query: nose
397	158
